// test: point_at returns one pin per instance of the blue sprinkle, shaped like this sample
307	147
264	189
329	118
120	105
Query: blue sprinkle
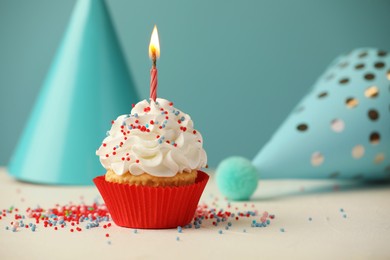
282	230
177	238
33	228
182	118
345	216
13	229
310	219
22	225
268	221
109	242
179	229
244	230
6	228
147	125
159	141
108	133
117	146
341	210
136	115
130	127
135	231
253	221
177	113
156	122
220	231
227	227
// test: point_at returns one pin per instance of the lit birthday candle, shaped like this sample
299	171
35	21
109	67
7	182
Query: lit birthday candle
154	54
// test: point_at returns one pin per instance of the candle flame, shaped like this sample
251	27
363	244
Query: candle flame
154	46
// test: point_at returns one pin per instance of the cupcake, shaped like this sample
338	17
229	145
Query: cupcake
153	159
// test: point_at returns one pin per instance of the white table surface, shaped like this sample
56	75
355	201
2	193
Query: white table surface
363	234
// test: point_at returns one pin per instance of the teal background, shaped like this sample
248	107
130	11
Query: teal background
237	67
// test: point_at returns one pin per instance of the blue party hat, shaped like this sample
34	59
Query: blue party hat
86	87
341	128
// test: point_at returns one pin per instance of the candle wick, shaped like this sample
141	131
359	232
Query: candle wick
154	61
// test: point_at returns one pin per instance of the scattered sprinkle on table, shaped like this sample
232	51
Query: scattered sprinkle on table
75	218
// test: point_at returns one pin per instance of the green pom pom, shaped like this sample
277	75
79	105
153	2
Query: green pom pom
237	178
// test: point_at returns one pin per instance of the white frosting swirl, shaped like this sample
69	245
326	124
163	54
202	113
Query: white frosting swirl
155	138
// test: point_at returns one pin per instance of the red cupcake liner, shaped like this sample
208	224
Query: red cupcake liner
151	207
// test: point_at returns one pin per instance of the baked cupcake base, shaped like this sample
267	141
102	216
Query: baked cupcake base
145	179
151	207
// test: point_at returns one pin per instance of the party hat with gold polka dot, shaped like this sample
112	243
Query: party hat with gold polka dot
341	128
